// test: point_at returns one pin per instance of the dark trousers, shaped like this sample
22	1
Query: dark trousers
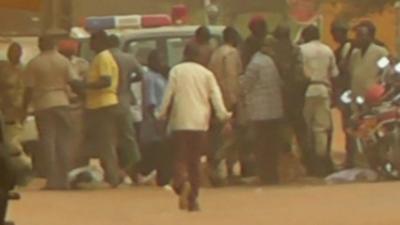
188	146
7	183
350	143
54	126
128	147
108	128
268	144
3	207
157	156
101	140
298	124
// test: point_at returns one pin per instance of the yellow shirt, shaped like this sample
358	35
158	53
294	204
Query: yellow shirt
103	65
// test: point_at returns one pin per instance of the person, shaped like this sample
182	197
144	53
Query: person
262	88
80	66
363	61
320	66
187	105
202	39
47	81
226	65
102	107
157	155
259	30
339	32
128	148
12	112
289	61
69	48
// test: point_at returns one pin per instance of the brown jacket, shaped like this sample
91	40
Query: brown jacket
226	65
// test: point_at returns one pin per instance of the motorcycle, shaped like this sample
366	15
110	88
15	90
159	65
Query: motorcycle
375	123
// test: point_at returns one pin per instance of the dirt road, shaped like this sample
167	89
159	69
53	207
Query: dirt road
359	204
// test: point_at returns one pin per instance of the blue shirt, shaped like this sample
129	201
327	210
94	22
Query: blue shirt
154	85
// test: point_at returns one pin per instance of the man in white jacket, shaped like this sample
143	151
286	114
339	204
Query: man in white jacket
187	105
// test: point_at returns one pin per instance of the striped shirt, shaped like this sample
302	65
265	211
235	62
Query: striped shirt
261	86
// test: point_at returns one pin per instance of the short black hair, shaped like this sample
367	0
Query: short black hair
311	33
282	31
15	45
100	36
46	42
191	52
230	34
153	60
202	32
339	25
369	25
114	41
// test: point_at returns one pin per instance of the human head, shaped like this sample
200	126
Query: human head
99	41
231	36
68	47
365	33
258	26
156	61
191	53
310	33
14	53
46	43
282	32
339	31
114	41
202	35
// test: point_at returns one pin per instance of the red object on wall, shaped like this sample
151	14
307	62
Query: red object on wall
156	20
31	5
303	11
179	14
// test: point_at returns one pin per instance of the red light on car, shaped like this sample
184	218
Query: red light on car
160	20
179	14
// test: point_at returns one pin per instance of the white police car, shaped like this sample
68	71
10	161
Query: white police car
141	34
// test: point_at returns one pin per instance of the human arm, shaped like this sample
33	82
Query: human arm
333	68
217	100
104	67
162	112
136	69
232	69
250	77
29	82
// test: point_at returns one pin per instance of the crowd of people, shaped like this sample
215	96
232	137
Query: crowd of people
242	103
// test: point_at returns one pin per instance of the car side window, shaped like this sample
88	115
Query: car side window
142	49
175	47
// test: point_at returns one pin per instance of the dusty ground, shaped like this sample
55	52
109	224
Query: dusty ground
359	204
305	204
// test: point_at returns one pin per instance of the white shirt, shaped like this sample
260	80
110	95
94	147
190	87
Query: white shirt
191	91
320	66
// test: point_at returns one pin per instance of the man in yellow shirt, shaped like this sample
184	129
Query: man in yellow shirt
101	106
106	116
